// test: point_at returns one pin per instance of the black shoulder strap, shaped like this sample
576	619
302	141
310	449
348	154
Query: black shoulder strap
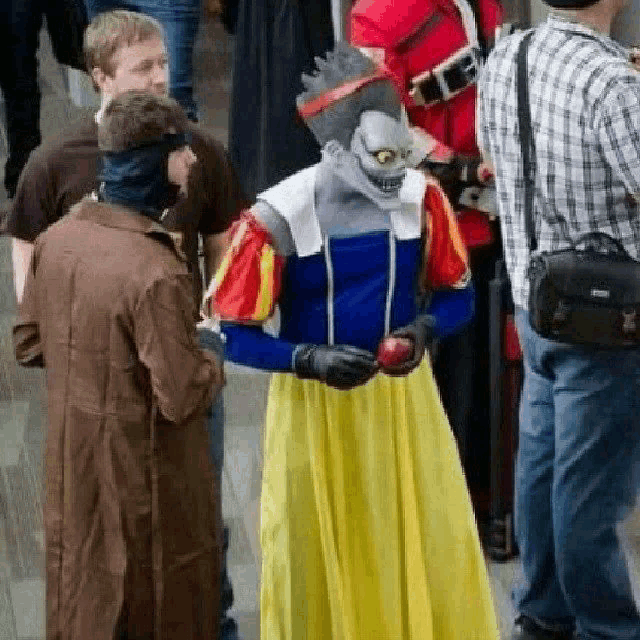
527	141
527	144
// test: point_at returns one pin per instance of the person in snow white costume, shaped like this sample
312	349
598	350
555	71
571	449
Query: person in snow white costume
366	525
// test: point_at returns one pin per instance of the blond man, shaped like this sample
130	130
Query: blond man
123	50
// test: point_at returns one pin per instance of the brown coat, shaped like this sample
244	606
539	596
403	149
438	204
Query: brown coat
132	517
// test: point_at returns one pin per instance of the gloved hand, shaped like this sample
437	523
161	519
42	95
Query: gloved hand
421	332
340	366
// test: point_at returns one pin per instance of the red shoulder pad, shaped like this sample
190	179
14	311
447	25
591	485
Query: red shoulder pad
446	261
247	284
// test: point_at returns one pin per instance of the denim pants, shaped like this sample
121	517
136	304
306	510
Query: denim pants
212	341
180	19
576	480
215	427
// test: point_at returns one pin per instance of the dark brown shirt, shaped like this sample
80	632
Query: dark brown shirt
64	169
131	509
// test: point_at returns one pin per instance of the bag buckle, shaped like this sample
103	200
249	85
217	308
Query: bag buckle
560	315
629	322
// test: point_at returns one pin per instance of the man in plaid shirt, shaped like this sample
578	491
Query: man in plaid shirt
579	441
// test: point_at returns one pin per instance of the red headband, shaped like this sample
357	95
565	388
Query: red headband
319	104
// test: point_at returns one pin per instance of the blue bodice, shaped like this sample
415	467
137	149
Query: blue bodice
354	292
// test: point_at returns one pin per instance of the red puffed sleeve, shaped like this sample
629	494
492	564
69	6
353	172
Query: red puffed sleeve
445	256
247	284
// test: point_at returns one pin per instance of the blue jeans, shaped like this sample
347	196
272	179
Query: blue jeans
215	427
212	341
180	19
576	479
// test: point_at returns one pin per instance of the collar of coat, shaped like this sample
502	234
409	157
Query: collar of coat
120	217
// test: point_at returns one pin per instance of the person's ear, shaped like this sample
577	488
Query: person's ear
100	79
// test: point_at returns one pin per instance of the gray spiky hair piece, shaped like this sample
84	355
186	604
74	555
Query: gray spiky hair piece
340	119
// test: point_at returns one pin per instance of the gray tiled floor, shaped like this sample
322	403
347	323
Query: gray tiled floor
22	414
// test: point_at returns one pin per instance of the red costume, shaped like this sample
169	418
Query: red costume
434	50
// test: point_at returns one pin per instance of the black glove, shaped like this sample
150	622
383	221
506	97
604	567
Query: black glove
456	175
341	366
421	332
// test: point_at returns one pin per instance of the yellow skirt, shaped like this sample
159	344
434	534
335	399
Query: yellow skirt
367	529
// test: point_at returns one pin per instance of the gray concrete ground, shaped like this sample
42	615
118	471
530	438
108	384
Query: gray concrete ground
23	420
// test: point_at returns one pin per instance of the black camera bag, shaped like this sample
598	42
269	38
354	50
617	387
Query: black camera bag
588	293
585	297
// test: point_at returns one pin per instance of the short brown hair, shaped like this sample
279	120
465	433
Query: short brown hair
112	30
135	118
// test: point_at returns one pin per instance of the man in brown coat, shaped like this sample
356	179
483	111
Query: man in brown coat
132	521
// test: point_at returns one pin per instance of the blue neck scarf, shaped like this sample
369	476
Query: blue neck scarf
137	178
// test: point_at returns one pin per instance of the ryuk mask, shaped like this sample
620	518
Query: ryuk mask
353	110
382	145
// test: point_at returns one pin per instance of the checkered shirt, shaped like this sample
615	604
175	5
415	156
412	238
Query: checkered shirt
585	115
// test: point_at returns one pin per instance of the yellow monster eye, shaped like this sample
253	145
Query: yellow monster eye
385	156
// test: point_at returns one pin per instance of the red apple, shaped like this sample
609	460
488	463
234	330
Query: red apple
394	351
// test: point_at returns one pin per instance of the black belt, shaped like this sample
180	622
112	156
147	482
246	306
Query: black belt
442	84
